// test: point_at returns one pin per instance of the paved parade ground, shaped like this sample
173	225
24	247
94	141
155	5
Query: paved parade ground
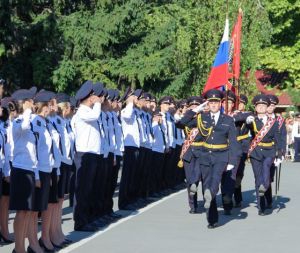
166	226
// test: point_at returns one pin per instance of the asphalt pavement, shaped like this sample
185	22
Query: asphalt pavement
166	225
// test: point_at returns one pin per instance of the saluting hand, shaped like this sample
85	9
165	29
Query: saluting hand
200	108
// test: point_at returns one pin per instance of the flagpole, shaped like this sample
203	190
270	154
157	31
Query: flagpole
226	86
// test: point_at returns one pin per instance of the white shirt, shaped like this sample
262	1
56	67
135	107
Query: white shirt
24	152
104	147
216	115
130	126
118	135
147	129
111	133
169	123
296	130
86	129
45	147
64	139
158	144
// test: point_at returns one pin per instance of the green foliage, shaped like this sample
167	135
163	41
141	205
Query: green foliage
283	56
166	47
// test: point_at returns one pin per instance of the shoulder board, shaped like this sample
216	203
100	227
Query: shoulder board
47	121
38	123
18	120
58	121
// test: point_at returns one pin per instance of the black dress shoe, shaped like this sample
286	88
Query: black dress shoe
45	248
86	228
115	215
212	226
261	213
269	206
227	212
193	211
238	205
6	241
30	250
57	246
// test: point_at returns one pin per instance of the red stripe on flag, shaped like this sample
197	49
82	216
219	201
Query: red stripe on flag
217	78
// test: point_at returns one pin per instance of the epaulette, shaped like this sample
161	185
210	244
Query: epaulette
39	123
58	121
18	120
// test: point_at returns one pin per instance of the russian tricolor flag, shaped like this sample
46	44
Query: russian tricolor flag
218	76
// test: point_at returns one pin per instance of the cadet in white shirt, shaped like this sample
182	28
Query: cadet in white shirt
48	160
119	147
87	135
158	154
8	114
132	138
24	171
165	104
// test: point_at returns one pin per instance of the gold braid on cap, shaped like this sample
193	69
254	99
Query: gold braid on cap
202	128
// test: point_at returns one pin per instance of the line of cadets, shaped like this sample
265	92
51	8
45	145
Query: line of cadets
46	137
43	141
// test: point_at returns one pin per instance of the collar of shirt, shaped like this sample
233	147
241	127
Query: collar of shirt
217	115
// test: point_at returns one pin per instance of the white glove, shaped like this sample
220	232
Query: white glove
277	162
200	108
177	117
229	167
249	119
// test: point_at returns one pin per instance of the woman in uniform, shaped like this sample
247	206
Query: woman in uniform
23	177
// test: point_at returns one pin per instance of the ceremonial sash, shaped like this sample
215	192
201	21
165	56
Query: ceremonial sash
187	143
261	134
280	121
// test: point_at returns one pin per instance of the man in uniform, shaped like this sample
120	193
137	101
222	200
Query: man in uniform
219	153
244	139
264	148
283	138
87	155
191	149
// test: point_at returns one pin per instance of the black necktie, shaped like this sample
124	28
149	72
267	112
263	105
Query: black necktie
213	122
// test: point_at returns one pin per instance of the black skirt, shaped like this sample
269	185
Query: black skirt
5	188
53	197
22	192
63	179
1	181
42	193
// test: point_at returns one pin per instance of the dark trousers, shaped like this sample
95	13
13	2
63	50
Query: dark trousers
261	170
297	149
227	189
268	193
71	184
86	165
128	184
114	181
156	172
211	179
239	177
192	175
145	167
109	164
170	168
100	184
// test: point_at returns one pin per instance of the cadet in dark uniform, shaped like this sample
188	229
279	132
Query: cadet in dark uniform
229	176
220	151
283	139
264	148
244	139
191	149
